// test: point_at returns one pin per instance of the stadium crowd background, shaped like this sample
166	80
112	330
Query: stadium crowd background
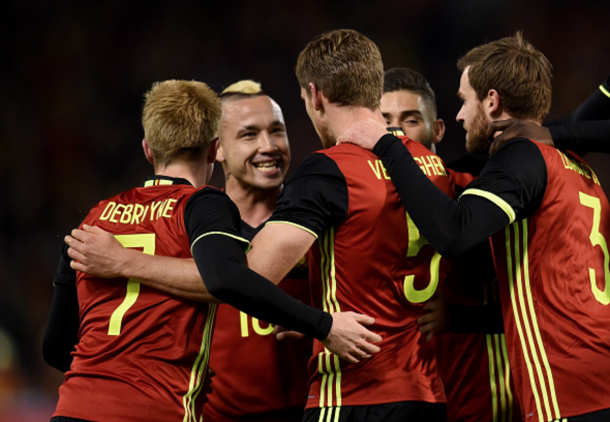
73	75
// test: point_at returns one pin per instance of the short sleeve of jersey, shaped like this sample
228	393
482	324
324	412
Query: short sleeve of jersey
514	178
315	198
210	211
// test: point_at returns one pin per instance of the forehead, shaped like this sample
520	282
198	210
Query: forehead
465	87
403	100
260	110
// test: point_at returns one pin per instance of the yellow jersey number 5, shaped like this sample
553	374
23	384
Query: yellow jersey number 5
416	242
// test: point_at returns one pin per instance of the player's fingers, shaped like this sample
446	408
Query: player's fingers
283	335
497	142
363	319
75	254
430	305
425	328
372	337
77	266
497	126
79	234
369	348
425	319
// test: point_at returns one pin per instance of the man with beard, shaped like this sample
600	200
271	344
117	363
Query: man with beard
548	220
474	367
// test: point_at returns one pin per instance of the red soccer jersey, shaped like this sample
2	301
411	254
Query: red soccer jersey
369	258
257	377
142	354
554	281
474	367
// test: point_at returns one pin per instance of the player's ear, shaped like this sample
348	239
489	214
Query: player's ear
214	151
316	96
493	103
438	129
148	152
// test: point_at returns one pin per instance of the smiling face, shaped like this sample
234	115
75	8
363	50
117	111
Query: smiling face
473	117
254	149
408	111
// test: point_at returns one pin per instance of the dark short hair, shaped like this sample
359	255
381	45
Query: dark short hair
405	79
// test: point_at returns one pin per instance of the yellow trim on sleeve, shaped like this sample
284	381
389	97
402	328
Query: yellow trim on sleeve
501	203
240	239
604	90
295	225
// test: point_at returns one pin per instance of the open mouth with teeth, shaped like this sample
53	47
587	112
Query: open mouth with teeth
268	166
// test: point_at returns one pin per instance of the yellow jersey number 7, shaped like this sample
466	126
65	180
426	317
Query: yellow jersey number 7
145	241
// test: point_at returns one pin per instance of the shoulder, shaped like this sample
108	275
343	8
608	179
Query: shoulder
210	198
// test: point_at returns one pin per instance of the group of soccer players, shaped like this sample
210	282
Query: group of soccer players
138	346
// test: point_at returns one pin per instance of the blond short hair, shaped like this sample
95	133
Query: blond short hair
345	66
246	87
180	118
517	70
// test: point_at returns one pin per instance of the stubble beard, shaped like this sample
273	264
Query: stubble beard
476	137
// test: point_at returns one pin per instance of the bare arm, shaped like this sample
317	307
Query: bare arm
277	248
97	252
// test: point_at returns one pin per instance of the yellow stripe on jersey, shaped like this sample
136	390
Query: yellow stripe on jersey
524	312
199	370
294	225
536	328
501	203
509	393
328	363
240	239
511	281
492	378
604	90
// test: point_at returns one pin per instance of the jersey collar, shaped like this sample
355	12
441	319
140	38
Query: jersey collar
157	180
396	131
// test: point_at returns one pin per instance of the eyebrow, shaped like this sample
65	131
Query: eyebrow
256	127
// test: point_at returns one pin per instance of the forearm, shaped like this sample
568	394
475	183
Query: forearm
175	276
61	333
221	264
582	137
451	227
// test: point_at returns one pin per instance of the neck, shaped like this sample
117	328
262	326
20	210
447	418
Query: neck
341	118
194	172
255	205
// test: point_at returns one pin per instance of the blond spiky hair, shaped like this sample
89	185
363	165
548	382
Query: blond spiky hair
244	87
180	118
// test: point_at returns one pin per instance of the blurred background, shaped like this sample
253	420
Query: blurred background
73	75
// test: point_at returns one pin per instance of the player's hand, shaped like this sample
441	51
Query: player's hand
437	319
95	251
207	384
516	129
364	133
349	339
282	333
